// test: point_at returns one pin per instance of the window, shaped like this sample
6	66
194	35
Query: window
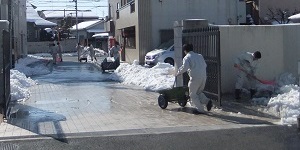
129	35
36	34
132	7
118	14
118	6
126	2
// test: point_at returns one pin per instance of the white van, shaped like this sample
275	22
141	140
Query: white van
163	53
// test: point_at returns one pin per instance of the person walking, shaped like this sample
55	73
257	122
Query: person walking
59	47
53	52
246	65
195	65
115	52
92	52
79	49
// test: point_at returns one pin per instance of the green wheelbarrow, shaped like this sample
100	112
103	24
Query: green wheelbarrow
178	95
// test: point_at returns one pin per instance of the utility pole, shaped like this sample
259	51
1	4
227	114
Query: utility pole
77	36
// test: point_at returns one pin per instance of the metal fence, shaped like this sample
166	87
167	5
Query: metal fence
5	72
206	41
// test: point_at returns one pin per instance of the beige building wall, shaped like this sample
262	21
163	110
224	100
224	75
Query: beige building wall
145	32
291	47
128	19
20	28
219	12
290	5
68	45
151	16
278	45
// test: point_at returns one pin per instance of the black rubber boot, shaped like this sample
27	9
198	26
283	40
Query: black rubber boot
252	93
237	94
209	105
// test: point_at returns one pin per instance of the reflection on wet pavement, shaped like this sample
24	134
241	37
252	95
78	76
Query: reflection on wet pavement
70	87
72	72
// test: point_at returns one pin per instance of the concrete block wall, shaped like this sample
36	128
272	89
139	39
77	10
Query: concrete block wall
43	47
278	45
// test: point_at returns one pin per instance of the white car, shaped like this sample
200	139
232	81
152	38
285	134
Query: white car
164	53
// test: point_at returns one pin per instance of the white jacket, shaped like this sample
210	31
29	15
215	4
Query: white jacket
53	49
245	60
194	64
115	51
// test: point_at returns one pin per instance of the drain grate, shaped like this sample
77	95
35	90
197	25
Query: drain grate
9	146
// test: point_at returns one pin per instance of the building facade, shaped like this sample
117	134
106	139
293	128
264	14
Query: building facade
19	27
268	11
140	25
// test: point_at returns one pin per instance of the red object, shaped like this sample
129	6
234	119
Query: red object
58	59
111	42
267	82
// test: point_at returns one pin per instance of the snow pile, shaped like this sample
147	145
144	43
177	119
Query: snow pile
285	79
154	79
19	85
32	65
286	105
284	100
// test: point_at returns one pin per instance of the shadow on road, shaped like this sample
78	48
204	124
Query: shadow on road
37	121
234	113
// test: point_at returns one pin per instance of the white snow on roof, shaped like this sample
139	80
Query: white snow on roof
85	24
295	17
32	16
100	35
62	14
95	30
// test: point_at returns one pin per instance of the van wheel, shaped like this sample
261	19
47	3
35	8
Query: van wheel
169	61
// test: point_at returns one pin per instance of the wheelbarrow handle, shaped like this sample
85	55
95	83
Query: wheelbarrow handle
175	81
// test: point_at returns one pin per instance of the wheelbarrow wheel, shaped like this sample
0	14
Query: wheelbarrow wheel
162	102
183	102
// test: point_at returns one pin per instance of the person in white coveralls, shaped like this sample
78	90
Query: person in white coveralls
115	52
79	49
246	65
59	47
53	52
92	52
195	65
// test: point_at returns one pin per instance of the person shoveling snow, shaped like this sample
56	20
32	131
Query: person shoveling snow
246	66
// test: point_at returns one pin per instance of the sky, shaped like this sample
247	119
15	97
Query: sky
99	7
283	103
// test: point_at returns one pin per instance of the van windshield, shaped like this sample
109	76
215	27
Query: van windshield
166	45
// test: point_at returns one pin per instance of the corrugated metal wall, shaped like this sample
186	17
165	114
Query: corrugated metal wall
145	29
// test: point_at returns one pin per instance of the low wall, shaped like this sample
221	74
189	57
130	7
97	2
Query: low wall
278	44
43	47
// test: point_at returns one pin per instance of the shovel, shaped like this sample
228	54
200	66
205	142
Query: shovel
254	77
266	82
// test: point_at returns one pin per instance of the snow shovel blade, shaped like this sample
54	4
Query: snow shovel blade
267	82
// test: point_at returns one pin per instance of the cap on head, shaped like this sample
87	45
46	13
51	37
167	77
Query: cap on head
257	55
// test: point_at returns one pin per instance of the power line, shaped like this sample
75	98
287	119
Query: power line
71	6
